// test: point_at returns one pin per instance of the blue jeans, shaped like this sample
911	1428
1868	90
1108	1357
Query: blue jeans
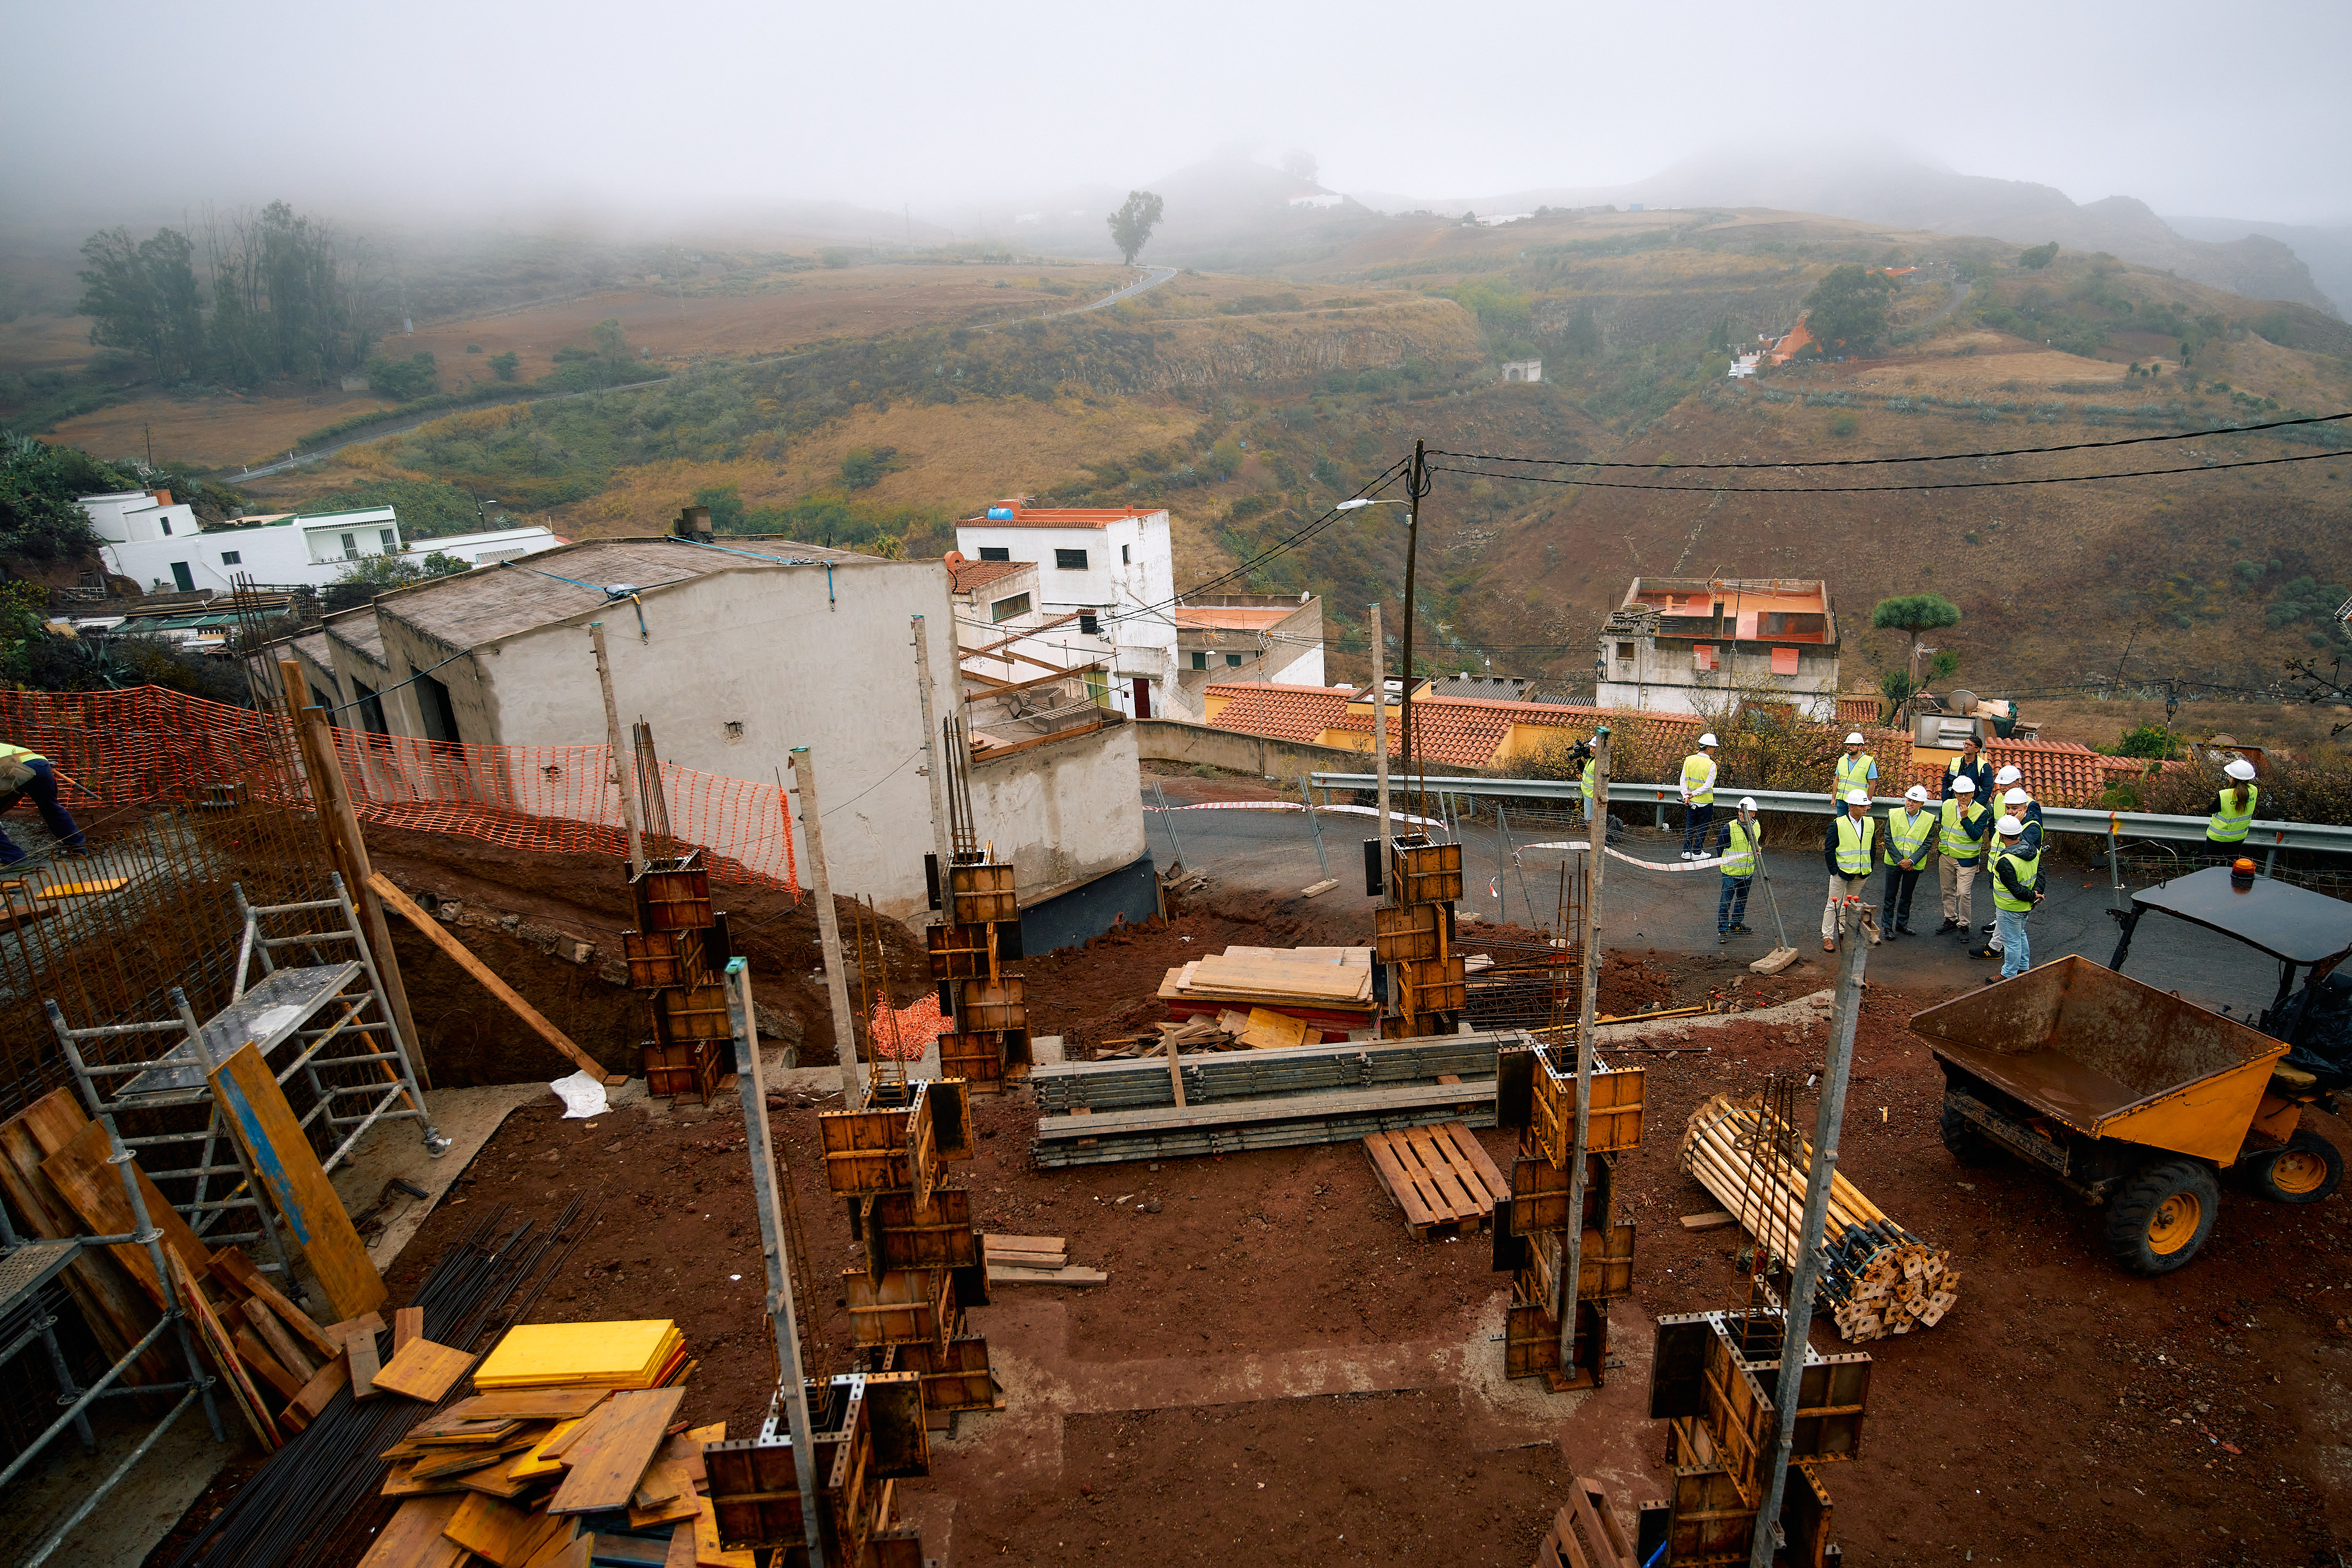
1731	908
1694	824
2016	958
43	789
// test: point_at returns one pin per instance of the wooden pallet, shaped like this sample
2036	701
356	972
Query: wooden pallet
1440	1176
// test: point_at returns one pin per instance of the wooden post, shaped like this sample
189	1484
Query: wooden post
331	792
1381	752
1176	1075
623	782
828	930
942	844
1573	1245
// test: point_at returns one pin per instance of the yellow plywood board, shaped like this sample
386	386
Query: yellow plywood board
623	1354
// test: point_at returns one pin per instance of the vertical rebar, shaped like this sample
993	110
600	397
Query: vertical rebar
1573	1260
942	839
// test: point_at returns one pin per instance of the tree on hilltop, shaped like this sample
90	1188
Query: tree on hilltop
1848	306
2040	257
1915	613
1131	225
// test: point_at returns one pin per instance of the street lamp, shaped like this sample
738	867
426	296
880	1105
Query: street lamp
1416	487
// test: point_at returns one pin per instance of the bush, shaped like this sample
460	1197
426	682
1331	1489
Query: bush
402	381
505	366
38	482
1843	425
2150	740
2040	257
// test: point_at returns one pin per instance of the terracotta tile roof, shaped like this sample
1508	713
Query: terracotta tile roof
1857	710
1279	712
1223	618
1465	732
966	575
1058	518
2056	772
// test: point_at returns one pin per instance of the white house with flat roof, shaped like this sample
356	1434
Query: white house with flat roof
163	545
1111	567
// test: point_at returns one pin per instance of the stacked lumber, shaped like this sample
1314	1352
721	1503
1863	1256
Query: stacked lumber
1260	1028
1034	1260
1330	988
1877	1278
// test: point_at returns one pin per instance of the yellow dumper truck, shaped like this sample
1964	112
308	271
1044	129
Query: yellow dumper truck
2139	1099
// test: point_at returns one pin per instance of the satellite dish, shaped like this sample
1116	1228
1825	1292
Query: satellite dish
1965	700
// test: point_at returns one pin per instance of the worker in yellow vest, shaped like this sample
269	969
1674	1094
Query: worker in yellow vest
1965	825
1584	779
1849	849
1910	843
1743	841
1856	768
1698	796
2233	813
24	772
2016	868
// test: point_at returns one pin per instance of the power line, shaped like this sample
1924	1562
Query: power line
1933	457
1865	489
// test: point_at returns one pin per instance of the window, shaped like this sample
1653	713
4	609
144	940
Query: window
351	546
232	557
167	526
1007	608
1123	559
1772	624
1090	623
391	537
1232	660
1784	661
184	579
996	552
1070	559
1199	661
440	714
1625	650
371	709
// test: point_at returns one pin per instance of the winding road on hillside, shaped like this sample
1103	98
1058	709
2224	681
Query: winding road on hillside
1153	278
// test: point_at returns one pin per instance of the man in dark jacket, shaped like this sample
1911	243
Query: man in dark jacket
1849	851
1969	764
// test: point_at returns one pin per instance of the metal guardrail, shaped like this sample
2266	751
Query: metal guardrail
2267	836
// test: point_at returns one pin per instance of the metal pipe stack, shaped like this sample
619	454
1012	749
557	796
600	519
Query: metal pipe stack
1878	1278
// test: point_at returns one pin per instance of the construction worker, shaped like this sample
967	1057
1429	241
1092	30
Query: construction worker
1849	849
1969	764
2026	811
1910	841
1743	841
24	771
1698	796
1964	826
1856	768
2233	812
1584	779
2016	873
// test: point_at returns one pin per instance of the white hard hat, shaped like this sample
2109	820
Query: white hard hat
2017	798
2007	775
2009	827
1857	797
1747	803
2240	768
1964	785
1708	739
1853	737
1916	792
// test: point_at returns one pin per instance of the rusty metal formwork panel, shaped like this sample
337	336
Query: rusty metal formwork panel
983	893
905	1306
1615	1122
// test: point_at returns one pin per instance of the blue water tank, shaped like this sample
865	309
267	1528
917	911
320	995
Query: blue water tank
999	513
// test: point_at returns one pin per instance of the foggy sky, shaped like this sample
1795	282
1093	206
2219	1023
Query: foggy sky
492	109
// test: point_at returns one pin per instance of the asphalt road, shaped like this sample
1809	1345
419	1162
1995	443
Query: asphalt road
1153	276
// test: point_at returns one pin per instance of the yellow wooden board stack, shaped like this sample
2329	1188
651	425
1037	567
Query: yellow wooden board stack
625	1354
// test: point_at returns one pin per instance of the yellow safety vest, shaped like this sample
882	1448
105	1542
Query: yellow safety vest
1957	843
2230	824
1739	854
27	754
1698	768
1854	773
2029	868
1908	833
1586	782
1854	840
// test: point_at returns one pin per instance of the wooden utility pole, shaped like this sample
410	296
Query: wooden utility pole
942	844
624	774
828	931
1416	485
1381	752
1573	1245
330	793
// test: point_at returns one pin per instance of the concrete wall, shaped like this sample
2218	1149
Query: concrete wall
1172	740
1065	811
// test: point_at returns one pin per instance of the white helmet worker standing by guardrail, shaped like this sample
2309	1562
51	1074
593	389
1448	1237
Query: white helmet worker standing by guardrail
1698	796
2233	812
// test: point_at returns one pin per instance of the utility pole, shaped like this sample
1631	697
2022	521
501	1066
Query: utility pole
1597	838
622	781
1416	485
784	1327
1380	751
943	845
1798	1318
828	931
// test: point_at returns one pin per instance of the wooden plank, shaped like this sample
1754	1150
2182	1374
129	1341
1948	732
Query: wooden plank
256	1354
1469	1151
1002	1274
706	1543
606	1467
489	1528
407	1323
317	1393
1397	1181
665	1496
425	1370
93	1190
1434	1168
282	1345
111	1304
564	1552
414	1537
681	1545
1713	1219
232	1265
1024	1243
359	1355
528	1404
368	1324
465	959
284	1163
222	1351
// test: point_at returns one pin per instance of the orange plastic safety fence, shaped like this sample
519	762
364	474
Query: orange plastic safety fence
904	1034
149	745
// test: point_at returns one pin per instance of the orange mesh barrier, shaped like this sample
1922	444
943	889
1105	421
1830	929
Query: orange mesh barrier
904	1034
149	745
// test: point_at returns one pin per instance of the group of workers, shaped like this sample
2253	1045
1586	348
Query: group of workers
1984	821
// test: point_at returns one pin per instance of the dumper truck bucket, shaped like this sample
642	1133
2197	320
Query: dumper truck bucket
2109	1057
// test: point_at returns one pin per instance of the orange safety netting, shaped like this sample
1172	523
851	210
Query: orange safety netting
904	1034
149	744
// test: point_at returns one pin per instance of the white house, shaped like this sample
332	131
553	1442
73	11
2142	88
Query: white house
1105	584
163	545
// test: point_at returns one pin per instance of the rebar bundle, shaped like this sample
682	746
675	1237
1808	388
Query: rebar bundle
1878	1278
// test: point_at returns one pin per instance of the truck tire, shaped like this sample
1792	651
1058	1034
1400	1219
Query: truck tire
1965	1141
2307	1170
2162	1216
